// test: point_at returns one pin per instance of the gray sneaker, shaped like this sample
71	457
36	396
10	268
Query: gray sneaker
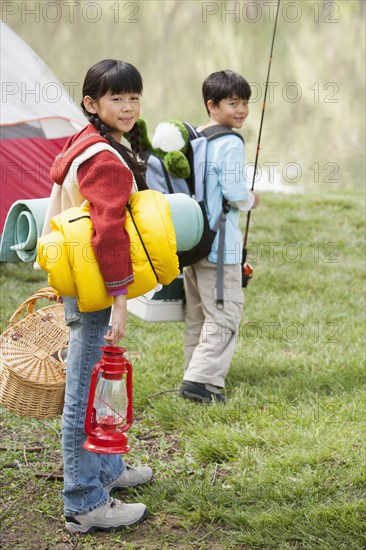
131	477
114	515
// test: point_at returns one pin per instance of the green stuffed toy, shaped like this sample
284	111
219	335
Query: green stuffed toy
170	143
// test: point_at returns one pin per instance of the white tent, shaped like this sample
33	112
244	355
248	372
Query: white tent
36	117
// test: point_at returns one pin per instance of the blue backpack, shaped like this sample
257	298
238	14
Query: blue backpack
158	178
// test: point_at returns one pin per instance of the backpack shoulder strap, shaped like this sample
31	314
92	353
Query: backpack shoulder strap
192	131
218	130
211	133
193	135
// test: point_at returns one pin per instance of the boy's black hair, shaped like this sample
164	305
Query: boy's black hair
224	84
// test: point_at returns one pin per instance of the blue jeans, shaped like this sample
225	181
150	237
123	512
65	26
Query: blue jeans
85	473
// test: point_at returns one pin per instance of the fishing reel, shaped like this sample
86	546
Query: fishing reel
246	274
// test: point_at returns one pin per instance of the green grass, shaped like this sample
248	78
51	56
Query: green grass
281	465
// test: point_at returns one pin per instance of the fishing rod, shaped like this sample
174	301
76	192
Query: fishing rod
247	270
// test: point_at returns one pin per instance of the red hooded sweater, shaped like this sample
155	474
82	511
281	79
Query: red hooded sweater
106	183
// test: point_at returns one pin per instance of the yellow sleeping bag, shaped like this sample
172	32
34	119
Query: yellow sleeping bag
68	256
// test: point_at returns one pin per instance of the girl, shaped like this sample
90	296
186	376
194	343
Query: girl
95	166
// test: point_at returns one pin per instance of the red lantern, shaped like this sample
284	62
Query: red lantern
109	410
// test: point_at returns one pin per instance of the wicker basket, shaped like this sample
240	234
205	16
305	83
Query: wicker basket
32	368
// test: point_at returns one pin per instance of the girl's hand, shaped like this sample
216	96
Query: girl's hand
119	315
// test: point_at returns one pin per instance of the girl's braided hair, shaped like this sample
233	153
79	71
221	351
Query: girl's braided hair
116	77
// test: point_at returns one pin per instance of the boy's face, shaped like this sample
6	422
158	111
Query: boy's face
230	112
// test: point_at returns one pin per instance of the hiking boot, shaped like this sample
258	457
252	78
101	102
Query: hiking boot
204	393
131	477
114	515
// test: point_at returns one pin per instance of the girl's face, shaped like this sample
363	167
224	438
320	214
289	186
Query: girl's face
117	111
230	112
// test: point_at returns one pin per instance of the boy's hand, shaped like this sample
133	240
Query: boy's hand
256	199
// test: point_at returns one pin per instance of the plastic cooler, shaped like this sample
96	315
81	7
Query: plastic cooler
166	305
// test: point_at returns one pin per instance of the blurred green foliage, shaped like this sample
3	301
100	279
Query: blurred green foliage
314	125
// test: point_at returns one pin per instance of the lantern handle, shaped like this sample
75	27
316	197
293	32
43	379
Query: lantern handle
90	416
129	416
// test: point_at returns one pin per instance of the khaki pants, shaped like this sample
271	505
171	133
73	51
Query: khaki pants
211	333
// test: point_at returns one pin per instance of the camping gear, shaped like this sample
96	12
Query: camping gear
187	220
197	189
109	410
164	176
74	271
247	270
32	354
37	115
160	178
166	305
23	226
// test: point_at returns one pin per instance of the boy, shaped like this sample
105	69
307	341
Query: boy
210	333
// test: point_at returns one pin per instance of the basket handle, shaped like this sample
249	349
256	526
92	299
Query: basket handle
30	302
